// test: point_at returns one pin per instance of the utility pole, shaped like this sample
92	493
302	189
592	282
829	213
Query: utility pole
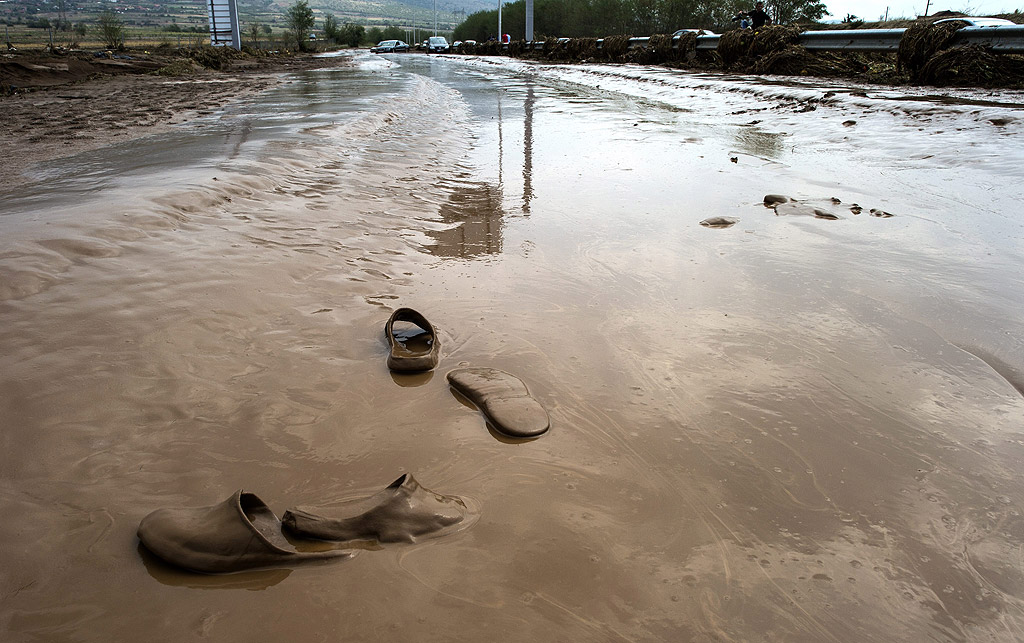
529	20
499	21
435	17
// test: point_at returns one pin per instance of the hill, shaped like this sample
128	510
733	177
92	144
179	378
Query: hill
36	22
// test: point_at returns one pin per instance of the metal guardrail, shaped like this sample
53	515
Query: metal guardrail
853	39
1006	39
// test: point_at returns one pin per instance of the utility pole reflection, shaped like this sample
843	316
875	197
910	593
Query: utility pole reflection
528	149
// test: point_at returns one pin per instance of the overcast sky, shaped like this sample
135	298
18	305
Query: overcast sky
871	10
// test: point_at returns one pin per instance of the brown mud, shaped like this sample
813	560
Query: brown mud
60	103
790	429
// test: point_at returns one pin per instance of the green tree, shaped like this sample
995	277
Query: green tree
352	34
299	19
332	31
784	12
392	32
111	30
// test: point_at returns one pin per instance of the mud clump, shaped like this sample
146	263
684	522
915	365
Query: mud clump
928	54
773	38
747	46
214	57
719	222
972	66
569	50
734	45
922	41
177	68
613	47
795	60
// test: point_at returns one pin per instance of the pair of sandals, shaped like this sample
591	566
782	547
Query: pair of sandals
243	533
502	397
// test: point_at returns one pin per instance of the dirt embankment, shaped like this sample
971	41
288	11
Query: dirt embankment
60	103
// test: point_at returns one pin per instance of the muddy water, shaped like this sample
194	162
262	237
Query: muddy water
791	429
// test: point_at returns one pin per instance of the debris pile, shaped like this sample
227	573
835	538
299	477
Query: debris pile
927	56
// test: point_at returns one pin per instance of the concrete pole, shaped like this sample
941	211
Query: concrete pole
529	20
499	21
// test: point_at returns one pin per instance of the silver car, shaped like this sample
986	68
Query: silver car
437	45
977	22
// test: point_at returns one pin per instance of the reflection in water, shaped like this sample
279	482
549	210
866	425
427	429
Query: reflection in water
758	142
175	576
406	380
528	149
239	136
501	146
474	212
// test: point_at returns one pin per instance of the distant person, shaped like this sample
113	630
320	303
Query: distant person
758	16
755	18
741	17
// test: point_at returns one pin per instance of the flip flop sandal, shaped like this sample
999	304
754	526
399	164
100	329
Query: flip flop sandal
411	352
503	399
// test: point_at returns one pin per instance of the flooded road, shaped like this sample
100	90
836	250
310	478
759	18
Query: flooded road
790	429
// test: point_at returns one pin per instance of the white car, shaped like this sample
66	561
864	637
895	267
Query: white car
977	22
699	32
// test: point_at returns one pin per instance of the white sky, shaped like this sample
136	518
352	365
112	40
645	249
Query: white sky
871	10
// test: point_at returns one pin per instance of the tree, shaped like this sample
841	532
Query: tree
254	33
331	29
787	11
352	34
111	30
299	19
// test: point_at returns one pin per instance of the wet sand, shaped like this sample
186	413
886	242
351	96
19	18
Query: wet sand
793	428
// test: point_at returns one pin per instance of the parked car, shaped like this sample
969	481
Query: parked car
389	46
977	22
699	32
437	45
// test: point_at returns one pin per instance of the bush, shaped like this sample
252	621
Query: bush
111	30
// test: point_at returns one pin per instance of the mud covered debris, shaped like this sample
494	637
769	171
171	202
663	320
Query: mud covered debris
719	222
816	208
926	56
